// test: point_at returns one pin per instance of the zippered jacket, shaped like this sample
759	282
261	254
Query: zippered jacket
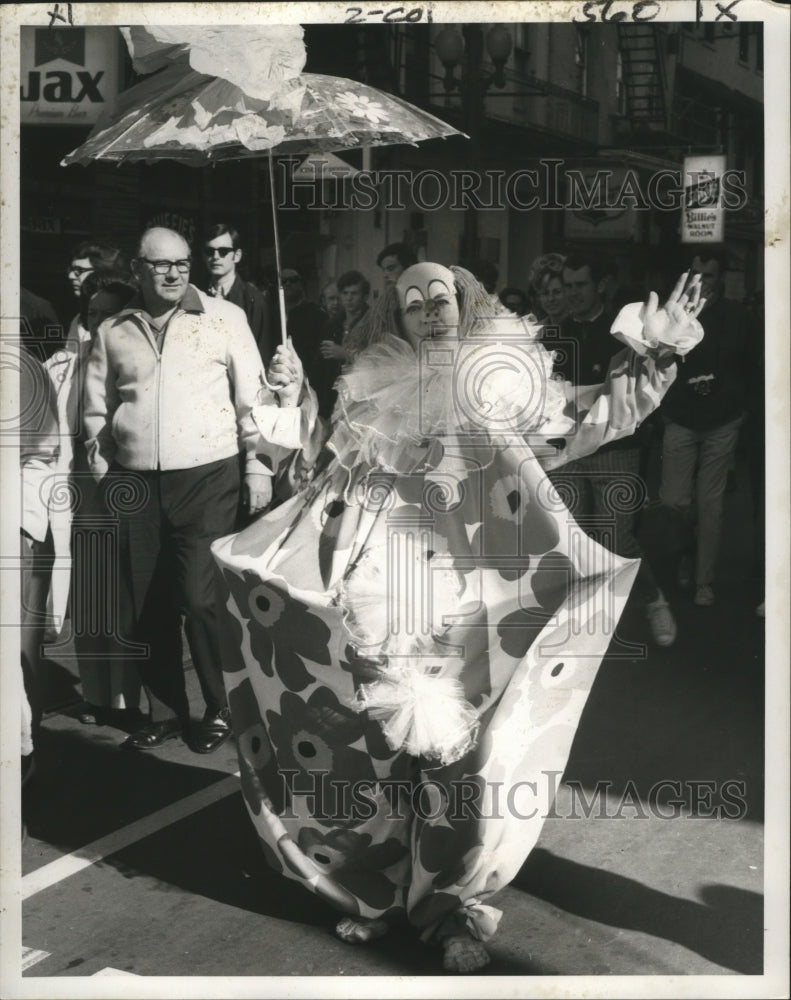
186	406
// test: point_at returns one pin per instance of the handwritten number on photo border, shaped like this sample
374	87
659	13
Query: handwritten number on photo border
395	15
642	11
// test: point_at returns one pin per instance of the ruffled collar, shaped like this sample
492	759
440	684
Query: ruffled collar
396	405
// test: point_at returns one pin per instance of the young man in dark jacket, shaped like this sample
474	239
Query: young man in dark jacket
703	412
222	253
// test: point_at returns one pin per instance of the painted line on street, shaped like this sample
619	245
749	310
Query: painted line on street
31	957
109	971
54	872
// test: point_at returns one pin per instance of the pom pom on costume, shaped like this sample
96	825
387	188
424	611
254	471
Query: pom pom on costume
421	712
419	709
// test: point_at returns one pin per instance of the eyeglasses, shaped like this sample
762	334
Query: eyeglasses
79	271
220	251
164	266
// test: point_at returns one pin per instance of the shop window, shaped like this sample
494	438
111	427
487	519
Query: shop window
739	146
758	170
412	57
522	51
708	33
620	85
171	182
744	43
581	60
332	49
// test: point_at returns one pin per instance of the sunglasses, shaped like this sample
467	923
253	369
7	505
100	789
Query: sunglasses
79	271
292	281
220	251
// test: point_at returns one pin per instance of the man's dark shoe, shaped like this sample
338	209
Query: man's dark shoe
153	735
130	720
210	734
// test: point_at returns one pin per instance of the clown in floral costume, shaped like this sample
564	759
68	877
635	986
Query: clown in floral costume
411	636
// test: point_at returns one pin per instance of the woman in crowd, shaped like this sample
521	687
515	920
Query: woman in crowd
411	636
110	685
546	280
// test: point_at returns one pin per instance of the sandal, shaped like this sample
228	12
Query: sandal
360	930
464	954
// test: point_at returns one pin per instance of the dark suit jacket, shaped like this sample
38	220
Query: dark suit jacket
254	302
325	371
307	326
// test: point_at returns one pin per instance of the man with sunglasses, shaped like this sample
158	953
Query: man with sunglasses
169	389
222	253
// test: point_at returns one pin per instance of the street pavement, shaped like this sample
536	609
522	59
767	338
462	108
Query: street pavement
146	864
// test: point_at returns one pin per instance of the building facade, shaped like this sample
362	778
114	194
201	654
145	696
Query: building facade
574	103
550	109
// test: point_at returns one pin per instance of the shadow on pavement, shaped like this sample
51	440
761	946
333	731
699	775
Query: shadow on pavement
725	927
85	786
218	856
694	711
215	854
90	788
691	713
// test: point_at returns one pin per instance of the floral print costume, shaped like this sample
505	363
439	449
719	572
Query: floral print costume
425	539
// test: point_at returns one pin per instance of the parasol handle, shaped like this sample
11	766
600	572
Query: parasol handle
280	296
282	302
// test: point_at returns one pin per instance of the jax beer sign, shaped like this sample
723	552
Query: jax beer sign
68	75
702	215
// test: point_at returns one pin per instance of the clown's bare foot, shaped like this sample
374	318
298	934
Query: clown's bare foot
464	954
360	930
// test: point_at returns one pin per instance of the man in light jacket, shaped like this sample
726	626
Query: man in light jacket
169	389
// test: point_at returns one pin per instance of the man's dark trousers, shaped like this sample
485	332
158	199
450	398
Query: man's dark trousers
167	570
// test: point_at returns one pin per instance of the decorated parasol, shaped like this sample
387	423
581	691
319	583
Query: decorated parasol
227	93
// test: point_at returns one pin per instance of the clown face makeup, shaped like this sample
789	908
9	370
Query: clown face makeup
427	295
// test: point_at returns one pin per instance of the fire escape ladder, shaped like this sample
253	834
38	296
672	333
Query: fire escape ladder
644	73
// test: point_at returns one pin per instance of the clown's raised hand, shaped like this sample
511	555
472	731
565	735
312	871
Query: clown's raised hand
675	324
671	329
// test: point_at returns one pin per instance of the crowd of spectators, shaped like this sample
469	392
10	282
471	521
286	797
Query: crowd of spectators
200	476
